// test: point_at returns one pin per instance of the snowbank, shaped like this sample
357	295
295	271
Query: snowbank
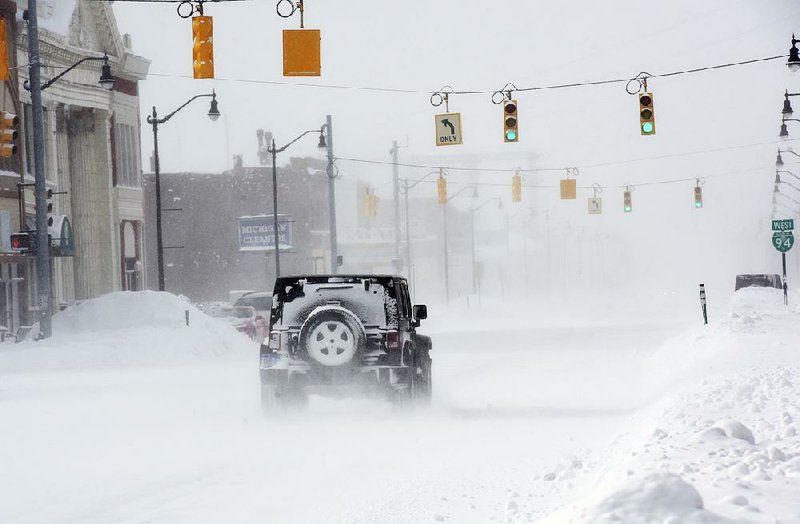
127	329
719	441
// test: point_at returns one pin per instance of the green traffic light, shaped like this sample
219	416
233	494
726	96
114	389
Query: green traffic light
511	135
698	203
627	209
647	127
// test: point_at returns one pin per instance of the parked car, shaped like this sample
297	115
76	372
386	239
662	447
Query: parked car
344	334
758	281
244	318
260	300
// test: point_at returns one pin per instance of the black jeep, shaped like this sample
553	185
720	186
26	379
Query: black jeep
344	334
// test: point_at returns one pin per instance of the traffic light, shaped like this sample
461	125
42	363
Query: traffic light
21	242
3	51
628	206
647	116
698	197
510	121
203	46
516	188
372	204
441	185
8	134
49	195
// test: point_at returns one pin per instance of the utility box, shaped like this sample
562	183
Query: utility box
301	52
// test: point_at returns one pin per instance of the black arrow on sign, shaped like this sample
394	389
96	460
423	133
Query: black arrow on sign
447	123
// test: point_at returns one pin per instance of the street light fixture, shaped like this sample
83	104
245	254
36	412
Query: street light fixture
213	114
787	105
779	160
784	133
794	57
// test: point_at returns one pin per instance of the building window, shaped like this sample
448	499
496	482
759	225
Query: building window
126	145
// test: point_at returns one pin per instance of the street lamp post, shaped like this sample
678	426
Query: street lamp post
213	114
405	188
473	210
273	150
444	242
35	86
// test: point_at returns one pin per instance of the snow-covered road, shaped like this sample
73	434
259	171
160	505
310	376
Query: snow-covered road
185	441
161	423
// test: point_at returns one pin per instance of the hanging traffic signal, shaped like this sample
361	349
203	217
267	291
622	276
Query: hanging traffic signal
516	188
8	134
626	198
203	46
21	242
441	186
647	116
698	197
510	121
3	51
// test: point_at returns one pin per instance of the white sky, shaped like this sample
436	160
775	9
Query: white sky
474	45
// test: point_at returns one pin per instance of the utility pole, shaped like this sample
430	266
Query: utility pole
42	237
396	192
332	199
276	243
446	262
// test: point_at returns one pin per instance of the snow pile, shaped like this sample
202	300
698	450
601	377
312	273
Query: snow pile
723	445
127	329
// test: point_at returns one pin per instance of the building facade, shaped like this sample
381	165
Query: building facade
92	150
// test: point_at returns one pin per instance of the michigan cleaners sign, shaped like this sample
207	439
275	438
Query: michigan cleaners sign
257	233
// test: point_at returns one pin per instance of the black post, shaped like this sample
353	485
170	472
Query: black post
785	286
43	300
159	232
703	303
275	210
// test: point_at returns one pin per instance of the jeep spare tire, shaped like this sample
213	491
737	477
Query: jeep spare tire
332	336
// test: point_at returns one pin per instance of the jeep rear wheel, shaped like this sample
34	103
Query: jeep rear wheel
332	336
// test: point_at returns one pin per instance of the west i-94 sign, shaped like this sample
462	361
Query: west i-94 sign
782	237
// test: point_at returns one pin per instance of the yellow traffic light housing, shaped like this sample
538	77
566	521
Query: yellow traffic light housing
510	121
8	134
301	52
441	186
516	188
647	115
4	71
203	46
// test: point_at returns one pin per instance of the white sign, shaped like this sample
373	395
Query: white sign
448	129
595	206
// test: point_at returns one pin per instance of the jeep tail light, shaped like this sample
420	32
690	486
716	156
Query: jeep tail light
392	340
275	340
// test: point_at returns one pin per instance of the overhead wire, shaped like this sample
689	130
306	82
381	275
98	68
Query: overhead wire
476	92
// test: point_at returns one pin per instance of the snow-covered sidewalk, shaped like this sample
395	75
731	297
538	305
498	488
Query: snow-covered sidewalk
720	441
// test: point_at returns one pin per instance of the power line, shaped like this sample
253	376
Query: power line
469	92
557	169
653	183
